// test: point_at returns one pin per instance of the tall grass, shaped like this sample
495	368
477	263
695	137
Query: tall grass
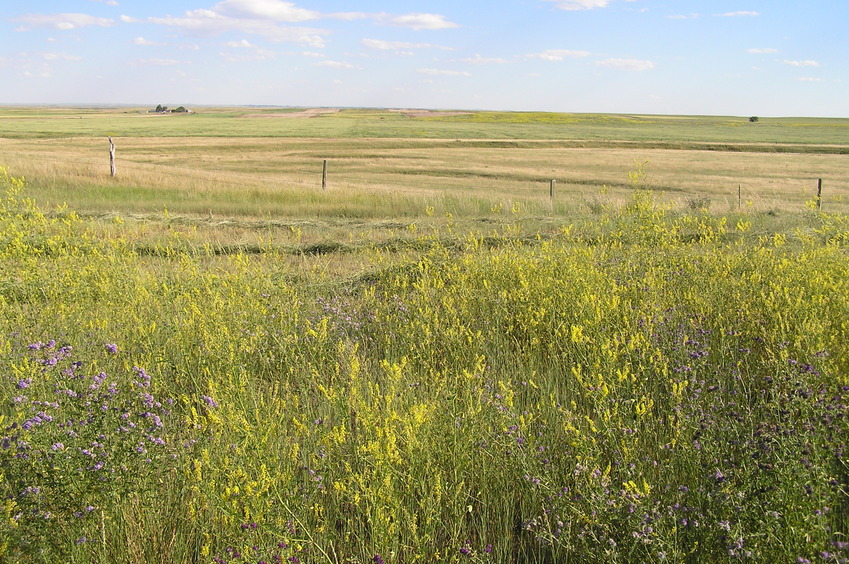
641	385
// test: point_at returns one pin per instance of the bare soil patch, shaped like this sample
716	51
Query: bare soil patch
428	113
308	113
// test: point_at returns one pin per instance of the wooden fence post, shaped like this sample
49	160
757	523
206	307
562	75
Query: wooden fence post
324	176
551	192
111	157
739	197
819	194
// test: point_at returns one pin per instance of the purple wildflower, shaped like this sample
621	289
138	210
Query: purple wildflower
111	347
209	401
142	377
377	559
24	383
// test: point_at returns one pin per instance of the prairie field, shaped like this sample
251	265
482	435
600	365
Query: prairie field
438	356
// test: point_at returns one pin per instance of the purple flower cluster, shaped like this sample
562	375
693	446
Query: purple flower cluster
82	437
344	317
277	552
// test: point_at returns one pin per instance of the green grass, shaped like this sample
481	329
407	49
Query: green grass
18	123
637	386
210	358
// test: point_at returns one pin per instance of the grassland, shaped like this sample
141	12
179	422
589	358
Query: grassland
258	166
211	359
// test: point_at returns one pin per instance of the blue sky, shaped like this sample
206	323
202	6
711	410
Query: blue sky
718	57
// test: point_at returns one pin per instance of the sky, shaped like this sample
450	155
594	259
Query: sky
693	57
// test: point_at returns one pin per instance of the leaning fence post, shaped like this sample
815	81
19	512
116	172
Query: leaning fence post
111	157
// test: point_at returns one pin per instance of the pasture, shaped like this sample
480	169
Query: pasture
209	358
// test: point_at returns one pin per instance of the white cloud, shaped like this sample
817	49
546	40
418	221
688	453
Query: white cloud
579	4
479	60
399	46
336	65
443	72
42	74
265	9
59	57
144	42
107	2
419	22
809	79
269	19
626	64
62	22
129	19
210	22
802	63
558	55
243	44
738	14
766	51
684	17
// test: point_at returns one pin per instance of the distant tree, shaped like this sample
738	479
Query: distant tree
181	110
160	109
753	119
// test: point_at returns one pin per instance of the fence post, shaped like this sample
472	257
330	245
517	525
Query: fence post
111	157
819	194
324	176
739	196
551	192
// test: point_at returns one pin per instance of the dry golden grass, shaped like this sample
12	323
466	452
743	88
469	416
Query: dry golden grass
281	178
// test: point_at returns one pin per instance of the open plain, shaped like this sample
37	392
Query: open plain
438	354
